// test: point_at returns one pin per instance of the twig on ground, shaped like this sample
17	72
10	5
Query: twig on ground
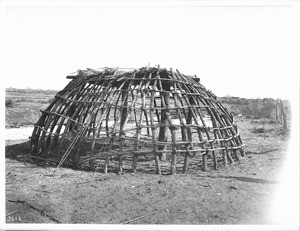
267	174
43	159
138	218
83	182
31	206
208	185
267	151
18	210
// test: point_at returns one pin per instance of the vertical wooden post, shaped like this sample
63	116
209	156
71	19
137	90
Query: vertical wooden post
147	123
189	137
283	116
173	162
120	164
113	134
215	161
106	163
224	155
165	97
124	119
139	123
174	154
230	157
186	162
185	131
134	162
204	160
91	162
152	106
76	157
157	165
276	111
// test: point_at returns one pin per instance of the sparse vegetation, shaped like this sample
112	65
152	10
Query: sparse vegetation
49	100
253	108
181	199
23	105
29	102
30	91
9	103
259	130
240	194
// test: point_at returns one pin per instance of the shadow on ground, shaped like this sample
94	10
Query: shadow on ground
21	151
251	180
243	179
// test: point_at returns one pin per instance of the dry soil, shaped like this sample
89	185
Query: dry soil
238	194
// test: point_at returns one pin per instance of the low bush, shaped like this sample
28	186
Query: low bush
50	100
9	103
253	108
259	130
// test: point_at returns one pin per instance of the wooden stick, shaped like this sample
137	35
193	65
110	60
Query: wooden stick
163	130
184	130
285	126
138	218
139	123
204	161
224	156
44	159
190	101
157	164
91	162
165	103
41	211
124	119
18	210
116	119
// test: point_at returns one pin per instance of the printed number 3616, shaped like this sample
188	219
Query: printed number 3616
14	219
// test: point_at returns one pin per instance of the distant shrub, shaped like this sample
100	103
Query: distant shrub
9	103
268	110
252	108
23	99
258	130
30	91
47	101
259	108
272	121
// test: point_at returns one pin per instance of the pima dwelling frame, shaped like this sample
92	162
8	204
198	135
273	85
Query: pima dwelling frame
108	116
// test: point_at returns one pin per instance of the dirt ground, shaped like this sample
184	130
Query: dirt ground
238	194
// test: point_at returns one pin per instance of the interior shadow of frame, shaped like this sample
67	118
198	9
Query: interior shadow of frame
21	152
145	164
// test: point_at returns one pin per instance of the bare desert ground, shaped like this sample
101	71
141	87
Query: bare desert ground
241	193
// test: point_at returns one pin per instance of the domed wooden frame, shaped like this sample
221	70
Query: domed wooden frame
112	115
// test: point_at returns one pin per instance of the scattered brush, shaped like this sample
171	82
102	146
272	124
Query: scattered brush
9	103
259	130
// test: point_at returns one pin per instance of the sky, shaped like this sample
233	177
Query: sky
242	48
239	50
